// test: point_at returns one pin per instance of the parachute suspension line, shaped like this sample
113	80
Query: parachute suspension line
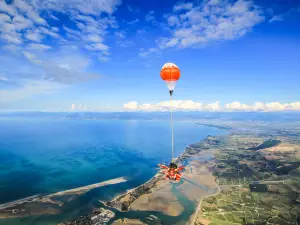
171	109
171	112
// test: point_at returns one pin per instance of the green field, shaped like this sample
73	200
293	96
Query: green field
253	190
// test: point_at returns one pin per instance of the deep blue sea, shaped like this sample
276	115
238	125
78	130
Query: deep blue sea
44	155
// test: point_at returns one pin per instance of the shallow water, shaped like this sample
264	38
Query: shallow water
45	155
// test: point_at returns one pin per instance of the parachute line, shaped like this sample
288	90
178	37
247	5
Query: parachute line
172	130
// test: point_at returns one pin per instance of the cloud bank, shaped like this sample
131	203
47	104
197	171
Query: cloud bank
189	105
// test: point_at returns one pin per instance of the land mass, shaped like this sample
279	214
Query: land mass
259	181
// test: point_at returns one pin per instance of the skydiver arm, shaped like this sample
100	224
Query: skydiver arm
162	166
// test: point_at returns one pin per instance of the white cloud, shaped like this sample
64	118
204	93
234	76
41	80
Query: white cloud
68	30
11	38
131	105
93	38
144	53
24	31
4	18
7	8
30	11
197	26
53	17
55	29
97	47
67	67
276	18
150	16
238	106
20	22
51	32
94	7
92	30
39	47
124	43
78	107
120	34
173	20
167	43
34	35
176	105
29	89
29	55
259	106
183	6
134	21
215	106
23	22
12	48
131	9
189	105
284	15
103	58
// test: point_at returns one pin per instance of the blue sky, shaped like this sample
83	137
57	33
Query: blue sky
106	55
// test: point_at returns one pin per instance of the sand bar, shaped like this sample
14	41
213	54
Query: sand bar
88	187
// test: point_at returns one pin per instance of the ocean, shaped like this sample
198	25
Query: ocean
41	155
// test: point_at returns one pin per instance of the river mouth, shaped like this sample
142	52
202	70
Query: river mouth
188	201
159	218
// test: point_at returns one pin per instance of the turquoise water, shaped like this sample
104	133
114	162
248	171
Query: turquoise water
44	155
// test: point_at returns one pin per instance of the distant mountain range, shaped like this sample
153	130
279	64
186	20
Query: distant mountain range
232	116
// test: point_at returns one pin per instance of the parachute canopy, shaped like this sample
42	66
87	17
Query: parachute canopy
170	73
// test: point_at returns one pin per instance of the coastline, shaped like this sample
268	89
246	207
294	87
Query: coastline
188	153
183	156
141	189
136	192
152	182
169	202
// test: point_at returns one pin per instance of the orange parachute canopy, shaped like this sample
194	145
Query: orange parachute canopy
170	73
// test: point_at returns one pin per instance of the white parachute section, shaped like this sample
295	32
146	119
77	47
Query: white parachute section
169	65
171	85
